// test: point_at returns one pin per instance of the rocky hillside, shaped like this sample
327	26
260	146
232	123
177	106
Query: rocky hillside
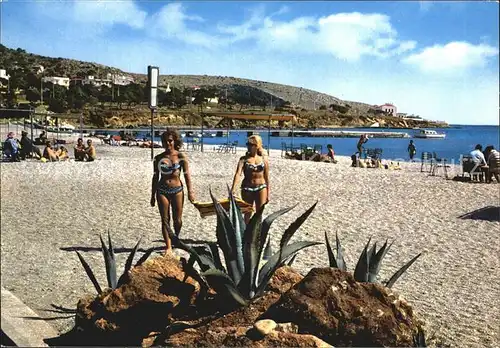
332	111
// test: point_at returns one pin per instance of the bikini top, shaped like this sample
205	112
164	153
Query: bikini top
166	169
255	167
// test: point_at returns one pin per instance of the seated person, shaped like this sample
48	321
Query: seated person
90	151
479	160
49	153
331	153
79	150
355	160
43	137
27	147
62	153
494	165
11	148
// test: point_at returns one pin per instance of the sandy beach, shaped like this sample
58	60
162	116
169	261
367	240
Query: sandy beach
48	208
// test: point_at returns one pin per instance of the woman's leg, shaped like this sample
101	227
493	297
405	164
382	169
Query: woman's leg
163	207
177	203
260	198
248	197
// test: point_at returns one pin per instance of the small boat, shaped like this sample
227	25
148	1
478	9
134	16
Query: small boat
61	129
429	134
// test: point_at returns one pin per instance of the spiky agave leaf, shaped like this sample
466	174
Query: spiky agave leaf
226	239
268	252
251	253
363	265
110	264
376	262
419	338
214	249
294	226
340	255
90	273
144	256
128	264
238	222
266	224
222	283
400	272
270	267
292	260
331	256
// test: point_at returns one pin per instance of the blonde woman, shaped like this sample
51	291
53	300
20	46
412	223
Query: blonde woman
255	169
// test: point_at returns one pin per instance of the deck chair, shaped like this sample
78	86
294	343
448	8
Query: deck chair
438	163
470	167
427	159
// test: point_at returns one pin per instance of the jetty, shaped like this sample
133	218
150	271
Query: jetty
338	134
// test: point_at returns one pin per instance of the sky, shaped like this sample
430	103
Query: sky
439	60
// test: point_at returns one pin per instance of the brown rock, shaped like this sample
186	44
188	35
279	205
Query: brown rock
283	279
152	294
265	326
331	305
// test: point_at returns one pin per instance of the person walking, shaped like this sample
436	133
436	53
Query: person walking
412	150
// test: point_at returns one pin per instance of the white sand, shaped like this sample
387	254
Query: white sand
454	286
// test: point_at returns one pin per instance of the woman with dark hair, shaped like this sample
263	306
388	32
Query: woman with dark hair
167	187
255	168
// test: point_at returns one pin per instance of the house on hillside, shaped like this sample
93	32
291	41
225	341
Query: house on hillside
61	81
120	80
91	80
38	69
3	74
388	108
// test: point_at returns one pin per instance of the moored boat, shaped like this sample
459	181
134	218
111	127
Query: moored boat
429	134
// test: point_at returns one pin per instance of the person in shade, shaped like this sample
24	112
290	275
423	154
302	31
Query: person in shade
412	150
362	140
79	150
49	153
11	148
28	147
255	168
166	186
90	153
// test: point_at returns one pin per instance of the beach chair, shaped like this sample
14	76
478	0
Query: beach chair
318	148
438	163
427	159
470	167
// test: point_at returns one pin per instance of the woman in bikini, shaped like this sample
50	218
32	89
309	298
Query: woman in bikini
167	188
255	168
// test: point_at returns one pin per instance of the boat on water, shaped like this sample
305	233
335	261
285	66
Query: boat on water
429	134
67	128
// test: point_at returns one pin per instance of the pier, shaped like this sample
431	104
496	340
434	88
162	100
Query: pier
338	134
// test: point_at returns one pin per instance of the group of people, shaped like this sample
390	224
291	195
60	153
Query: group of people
488	161
15	150
168	192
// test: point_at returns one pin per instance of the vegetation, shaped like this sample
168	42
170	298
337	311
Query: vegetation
369	263
110	264
242	246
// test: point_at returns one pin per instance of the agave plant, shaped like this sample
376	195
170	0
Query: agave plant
242	246
110	264
369	263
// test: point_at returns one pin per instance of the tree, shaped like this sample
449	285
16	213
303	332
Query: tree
76	97
33	95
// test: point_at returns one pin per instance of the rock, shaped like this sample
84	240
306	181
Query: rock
348	315
264	327
287	327
283	279
152	294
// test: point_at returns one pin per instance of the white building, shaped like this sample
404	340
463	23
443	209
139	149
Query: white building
389	109
3	74
121	80
91	80
61	81
38	69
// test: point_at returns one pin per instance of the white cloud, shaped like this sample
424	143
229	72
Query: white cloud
109	13
346	36
171	22
452	57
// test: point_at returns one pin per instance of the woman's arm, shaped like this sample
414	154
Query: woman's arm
187	176
154	182
266	175
237	175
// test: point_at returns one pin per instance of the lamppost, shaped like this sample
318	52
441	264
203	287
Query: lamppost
153	74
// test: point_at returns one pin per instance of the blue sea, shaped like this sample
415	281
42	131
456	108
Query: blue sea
460	139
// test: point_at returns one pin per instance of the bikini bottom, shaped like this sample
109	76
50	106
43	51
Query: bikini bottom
254	189
169	192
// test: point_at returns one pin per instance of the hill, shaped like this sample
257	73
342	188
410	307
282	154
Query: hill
239	92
